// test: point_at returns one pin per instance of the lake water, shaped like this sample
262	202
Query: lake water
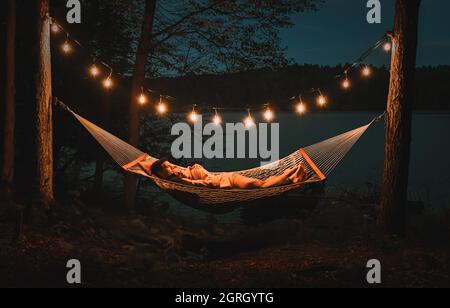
430	163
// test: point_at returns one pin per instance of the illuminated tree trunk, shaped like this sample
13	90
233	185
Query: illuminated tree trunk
138	81
7	175
43	189
399	117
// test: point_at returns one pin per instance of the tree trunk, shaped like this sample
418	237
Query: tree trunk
138	81
43	115
7	175
399	117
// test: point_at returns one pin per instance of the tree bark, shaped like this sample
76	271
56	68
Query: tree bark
43	190
7	176
142	54
399	117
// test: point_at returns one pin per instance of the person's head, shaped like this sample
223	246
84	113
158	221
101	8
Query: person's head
162	168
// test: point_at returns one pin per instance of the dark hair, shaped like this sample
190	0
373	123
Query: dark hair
157	166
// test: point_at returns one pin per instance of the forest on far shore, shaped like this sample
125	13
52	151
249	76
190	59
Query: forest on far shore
255	88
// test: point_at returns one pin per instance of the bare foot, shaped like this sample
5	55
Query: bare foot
294	176
292	171
301	174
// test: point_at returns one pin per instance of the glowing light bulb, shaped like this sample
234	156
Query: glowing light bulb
366	71
66	48
193	116
346	84
269	115
107	83
249	122
322	100
94	70
217	120
301	108
162	108
55	28
387	46
142	99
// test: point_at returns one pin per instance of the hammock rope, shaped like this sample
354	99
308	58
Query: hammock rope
320	160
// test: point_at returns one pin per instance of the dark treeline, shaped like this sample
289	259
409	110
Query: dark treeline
255	88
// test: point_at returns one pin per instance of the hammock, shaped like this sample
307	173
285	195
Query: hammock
320	160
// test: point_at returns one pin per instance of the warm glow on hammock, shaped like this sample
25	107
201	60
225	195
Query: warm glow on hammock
321	159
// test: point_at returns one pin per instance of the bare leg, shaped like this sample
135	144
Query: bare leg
242	182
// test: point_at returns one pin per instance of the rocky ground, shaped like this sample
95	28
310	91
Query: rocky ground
329	249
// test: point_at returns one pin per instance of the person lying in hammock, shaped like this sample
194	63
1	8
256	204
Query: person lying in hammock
197	175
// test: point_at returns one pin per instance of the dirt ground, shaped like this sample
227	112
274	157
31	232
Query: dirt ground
329	249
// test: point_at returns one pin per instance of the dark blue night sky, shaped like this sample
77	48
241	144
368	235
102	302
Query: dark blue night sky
339	32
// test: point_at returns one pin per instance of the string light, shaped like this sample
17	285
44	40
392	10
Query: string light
108	83
193	116
301	107
366	71
248	121
66	47
269	115
321	100
55	28
142	99
217	120
162	107
346	84
94	71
